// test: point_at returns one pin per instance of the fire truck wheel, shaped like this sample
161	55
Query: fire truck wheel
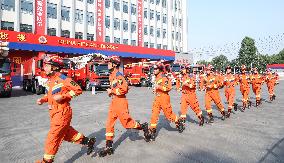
25	86
38	88
33	87
144	83
8	94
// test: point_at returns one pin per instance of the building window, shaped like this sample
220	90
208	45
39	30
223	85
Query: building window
159	46
116	5
133	27
90	1
151	14
27	6
152	31
180	22
107	21
152	1
165	47
146	44
8	5
78	35
133	9
80	0
79	16
173	21
125	41
125	25
52	10
65	33
158	32
107	3
164	33
173	35
145	13
116	24
152	45
145	30
116	40
51	31
177	35
90	36
133	42
158	16
165	18
107	39
164	3
7	25
125	7
90	18
26	28
65	13
158	2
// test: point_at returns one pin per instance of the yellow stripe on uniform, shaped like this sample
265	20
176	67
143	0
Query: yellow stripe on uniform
72	94
183	116
136	125
78	136
48	157
153	125
159	81
109	134
117	91
209	111
57	86
164	88
186	81
200	113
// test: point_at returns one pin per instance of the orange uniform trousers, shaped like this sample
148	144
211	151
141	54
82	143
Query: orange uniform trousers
162	102
256	88
60	130
230	94
213	95
270	86
245	93
189	99
119	109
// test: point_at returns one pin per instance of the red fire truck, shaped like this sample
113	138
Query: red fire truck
5	71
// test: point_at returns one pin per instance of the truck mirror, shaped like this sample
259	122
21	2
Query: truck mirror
40	63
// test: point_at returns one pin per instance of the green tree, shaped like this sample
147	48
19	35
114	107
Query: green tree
203	62
278	58
220	62
247	53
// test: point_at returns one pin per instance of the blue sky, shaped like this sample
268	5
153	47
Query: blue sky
214	24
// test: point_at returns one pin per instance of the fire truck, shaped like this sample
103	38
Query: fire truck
138	74
91	71
33	75
5	71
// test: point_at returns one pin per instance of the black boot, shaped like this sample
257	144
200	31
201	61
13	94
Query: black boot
249	104
270	98
153	134
235	106
211	119
108	149
257	103
228	113
180	125
273	97
223	115
147	135
89	142
201	120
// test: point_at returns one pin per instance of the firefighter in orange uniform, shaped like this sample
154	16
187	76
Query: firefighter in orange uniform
162	101
59	92
230	81
256	81
271	82
189	97
202	75
119	107
244	80
211	84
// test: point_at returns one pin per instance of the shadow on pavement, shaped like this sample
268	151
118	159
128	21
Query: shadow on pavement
18	92
276	152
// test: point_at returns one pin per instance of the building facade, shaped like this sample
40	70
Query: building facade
159	24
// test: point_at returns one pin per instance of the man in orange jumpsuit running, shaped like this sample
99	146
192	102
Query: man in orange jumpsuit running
256	81
162	101
244	80
211	84
189	95
271	82
59	92
230	81
118	107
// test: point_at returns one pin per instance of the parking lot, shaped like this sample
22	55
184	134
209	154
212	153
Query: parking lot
256	135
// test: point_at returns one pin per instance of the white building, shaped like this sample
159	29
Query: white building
164	22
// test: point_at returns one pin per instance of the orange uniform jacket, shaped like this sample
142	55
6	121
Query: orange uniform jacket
230	81
244	80
256	81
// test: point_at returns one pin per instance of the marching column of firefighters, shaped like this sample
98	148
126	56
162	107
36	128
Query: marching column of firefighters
60	89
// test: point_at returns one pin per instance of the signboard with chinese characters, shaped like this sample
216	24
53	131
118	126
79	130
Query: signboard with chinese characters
40	16
140	22
184	58
100	20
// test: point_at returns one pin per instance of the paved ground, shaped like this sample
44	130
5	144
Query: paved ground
256	135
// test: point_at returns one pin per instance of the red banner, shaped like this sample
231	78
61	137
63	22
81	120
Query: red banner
100	20
140	22
40	17
21	37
